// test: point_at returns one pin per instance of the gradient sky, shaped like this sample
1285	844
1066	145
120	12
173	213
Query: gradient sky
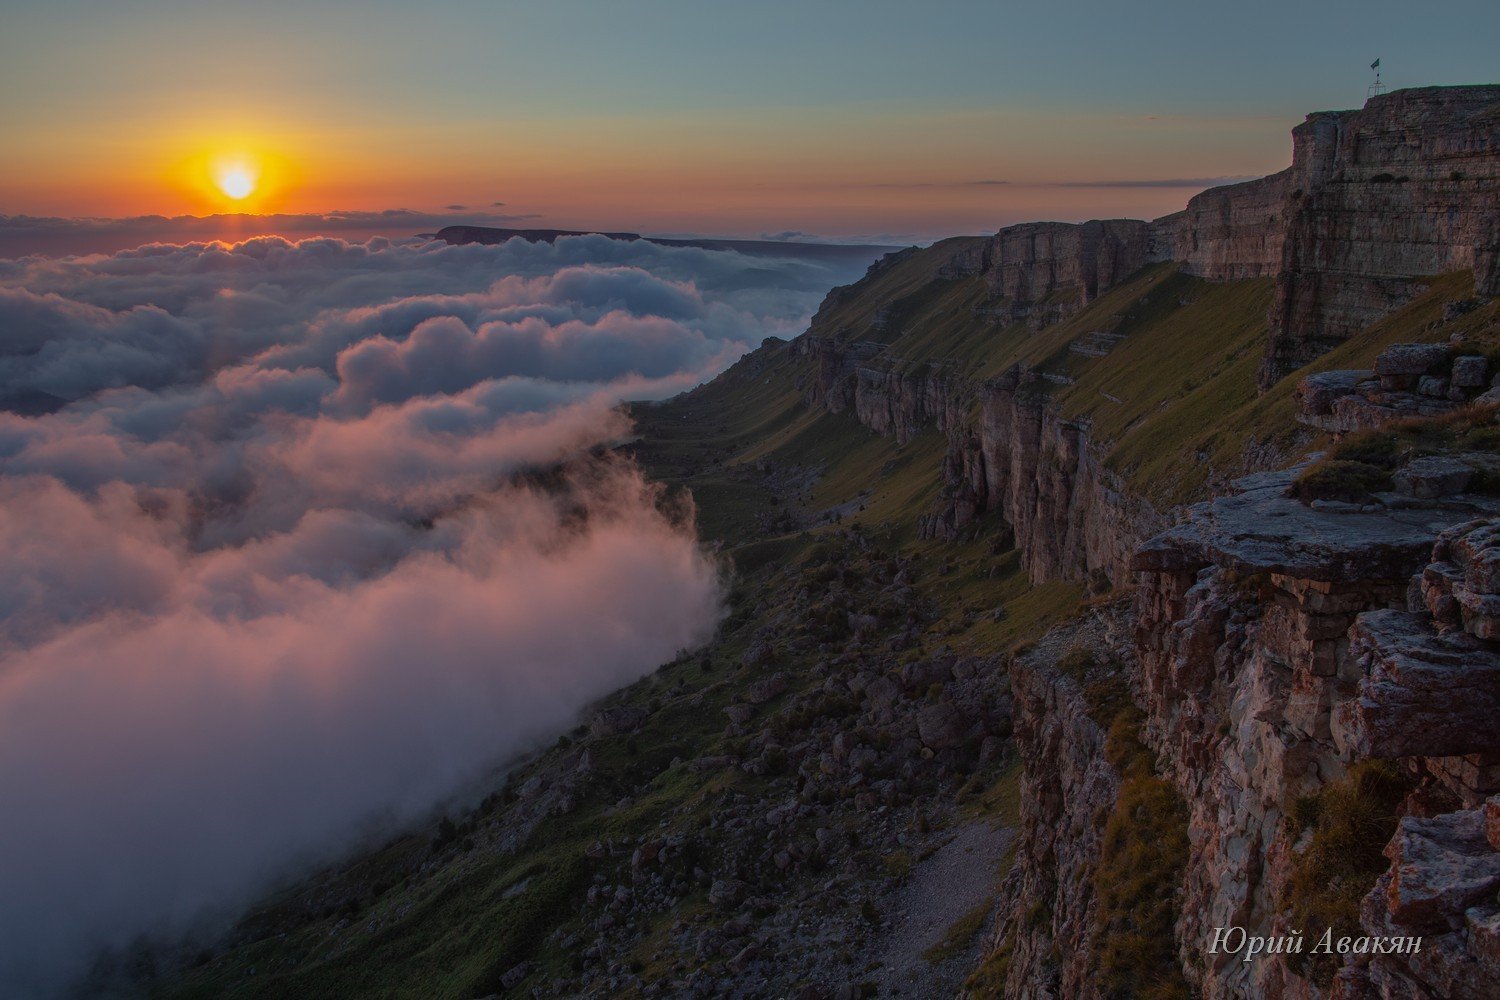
843	118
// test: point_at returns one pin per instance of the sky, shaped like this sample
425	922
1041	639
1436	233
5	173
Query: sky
852	119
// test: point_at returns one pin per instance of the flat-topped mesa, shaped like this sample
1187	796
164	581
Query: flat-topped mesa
1403	189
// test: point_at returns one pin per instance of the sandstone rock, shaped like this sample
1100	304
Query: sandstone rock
1434	386
1048	270
1380	198
1316	393
1423	693
1461	586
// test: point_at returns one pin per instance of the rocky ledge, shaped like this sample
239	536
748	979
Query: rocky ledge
1408	381
1280	645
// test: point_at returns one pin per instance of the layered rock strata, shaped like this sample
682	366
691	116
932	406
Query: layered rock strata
1020	460
1405	188
1375	201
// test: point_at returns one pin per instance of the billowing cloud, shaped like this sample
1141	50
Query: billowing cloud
271	578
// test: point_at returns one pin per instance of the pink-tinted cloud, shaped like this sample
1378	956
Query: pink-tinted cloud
269	576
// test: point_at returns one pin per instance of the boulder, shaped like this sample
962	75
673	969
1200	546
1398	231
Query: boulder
881	692
1433	385
765	689
1470	371
739	714
1410	359
1440	867
725	894
1316	393
940	726
1433	476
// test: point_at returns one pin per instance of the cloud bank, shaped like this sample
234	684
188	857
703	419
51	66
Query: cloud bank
270	576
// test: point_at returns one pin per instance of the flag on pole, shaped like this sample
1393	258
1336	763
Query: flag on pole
1375	64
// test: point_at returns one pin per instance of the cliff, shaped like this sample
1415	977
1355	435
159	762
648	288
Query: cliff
1375	202
1381	198
1045	271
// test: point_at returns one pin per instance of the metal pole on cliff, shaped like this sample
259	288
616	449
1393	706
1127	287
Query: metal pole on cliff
1377	88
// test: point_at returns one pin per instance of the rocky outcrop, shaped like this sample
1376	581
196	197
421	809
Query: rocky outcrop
1276	648
1378	199
1375	201
1046	271
1234	231
1408	381
1067	782
1069	516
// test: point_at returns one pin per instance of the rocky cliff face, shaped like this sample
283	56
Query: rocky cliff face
1048	905
1235	231
1377	199
1070	517
1279	648
1048	270
1249	618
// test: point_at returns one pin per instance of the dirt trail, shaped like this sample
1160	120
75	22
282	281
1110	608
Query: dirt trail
946	886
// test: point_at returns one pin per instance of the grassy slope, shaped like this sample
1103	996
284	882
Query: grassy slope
1173	407
759	461
453	930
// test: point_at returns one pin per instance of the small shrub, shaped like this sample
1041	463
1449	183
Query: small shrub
1377	448
1351	821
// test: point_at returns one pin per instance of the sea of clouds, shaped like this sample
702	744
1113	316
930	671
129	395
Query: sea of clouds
271	581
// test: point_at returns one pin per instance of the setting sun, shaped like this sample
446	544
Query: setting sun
237	181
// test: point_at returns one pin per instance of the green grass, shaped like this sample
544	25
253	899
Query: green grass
1143	848
1350	822
957	938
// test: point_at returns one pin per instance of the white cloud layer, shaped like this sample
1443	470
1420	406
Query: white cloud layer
268	578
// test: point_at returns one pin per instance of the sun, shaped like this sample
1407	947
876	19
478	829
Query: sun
237	181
